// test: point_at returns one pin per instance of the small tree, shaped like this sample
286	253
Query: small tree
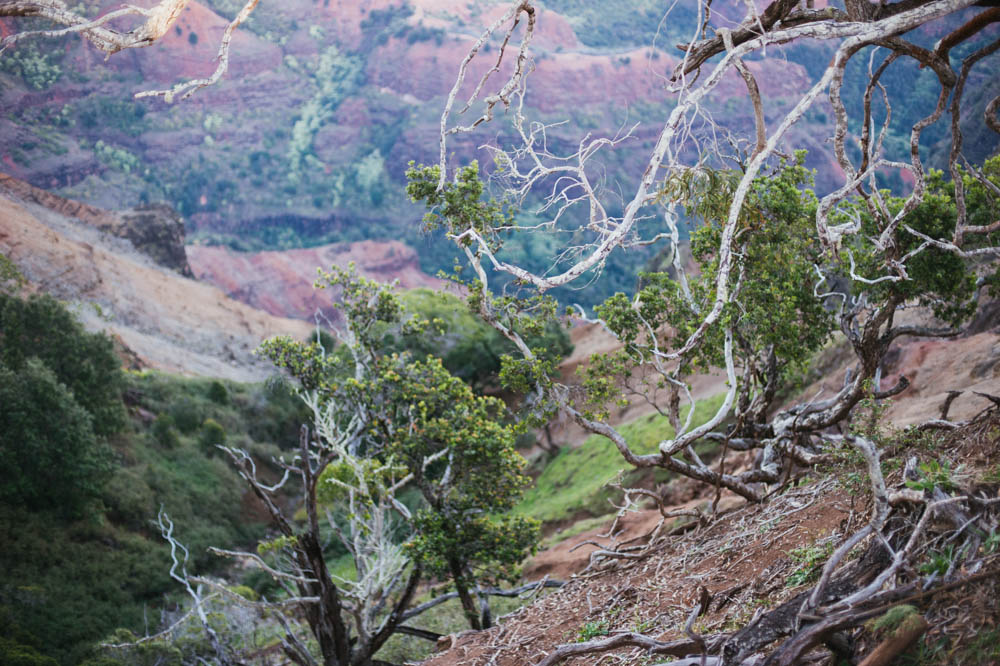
383	423
50	457
60	396
40	327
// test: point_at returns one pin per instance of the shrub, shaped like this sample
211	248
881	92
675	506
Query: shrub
13	653
212	435
85	363
50	457
218	393
38	68
129	499
164	432
187	415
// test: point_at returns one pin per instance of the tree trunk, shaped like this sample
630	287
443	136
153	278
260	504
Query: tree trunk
468	603
324	618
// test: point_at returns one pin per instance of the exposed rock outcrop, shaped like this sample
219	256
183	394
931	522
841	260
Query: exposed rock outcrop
156	229
164	320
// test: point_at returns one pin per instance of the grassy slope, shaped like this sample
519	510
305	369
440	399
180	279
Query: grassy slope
572	484
66	584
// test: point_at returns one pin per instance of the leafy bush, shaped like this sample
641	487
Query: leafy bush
218	393
37	67
103	113
187	414
467	346
85	363
212	435
116	157
13	653
164	432
50	457
129	500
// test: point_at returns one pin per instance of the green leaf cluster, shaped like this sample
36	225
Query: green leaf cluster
460	205
468	347
935	278
61	391
421	423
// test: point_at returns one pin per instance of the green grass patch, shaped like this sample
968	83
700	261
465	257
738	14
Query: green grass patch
579	527
573	483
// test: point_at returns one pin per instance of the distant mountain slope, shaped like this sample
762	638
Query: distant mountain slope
306	140
168	321
281	282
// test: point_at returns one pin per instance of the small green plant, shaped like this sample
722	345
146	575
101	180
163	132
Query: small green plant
810	560
992	475
984	649
593	629
892	618
847	467
867	417
992	542
939	562
276	544
934	474
641	625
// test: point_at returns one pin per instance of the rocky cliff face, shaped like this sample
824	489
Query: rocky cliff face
153	229
164	320
157	230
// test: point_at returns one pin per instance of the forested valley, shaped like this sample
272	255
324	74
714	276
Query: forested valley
378	333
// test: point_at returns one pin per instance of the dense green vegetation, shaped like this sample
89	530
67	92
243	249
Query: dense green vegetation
468	347
82	476
68	582
61	392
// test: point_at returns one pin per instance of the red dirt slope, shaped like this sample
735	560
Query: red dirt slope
281	283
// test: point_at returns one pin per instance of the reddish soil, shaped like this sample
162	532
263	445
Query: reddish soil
741	559
572	555
934	367
165	321
281	283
